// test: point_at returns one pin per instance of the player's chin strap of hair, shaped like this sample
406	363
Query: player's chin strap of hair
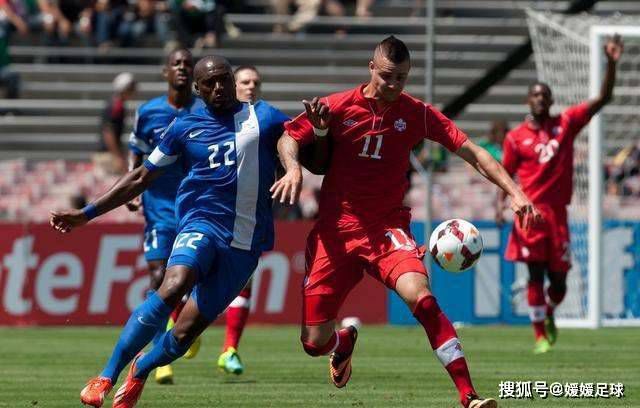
90	211
320	132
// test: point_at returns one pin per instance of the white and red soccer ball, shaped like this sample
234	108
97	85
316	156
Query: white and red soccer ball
456	245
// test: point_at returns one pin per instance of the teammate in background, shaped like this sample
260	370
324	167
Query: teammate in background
158	201
540	152
248	83
362	224
225	223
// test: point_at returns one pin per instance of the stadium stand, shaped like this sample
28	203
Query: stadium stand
57	116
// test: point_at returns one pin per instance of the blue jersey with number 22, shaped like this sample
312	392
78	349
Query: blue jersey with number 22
231	162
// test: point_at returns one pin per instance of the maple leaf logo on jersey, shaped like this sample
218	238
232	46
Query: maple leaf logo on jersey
400	125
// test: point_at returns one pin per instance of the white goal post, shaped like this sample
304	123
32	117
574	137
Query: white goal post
569	57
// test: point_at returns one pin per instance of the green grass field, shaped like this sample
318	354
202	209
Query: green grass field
47	367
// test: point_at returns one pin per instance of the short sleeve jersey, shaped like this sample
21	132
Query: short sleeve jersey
231	160
152	119
542	156
367	176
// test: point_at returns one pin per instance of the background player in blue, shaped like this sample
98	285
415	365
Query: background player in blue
225	222
158	201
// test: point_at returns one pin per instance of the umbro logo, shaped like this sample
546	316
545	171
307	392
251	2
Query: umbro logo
158	130
349	122
195	133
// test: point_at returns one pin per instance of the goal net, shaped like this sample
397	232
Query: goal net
603	283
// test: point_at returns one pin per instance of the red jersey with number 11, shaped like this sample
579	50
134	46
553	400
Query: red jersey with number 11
367	176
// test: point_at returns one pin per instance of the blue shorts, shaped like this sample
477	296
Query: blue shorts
222	271
157	243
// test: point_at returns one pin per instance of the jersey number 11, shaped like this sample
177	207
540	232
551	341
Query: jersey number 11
376	152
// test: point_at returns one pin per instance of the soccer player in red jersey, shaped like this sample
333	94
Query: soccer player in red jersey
540	152
362	224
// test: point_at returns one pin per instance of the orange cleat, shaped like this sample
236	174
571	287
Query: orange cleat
340	365
95	391
129	393
473	401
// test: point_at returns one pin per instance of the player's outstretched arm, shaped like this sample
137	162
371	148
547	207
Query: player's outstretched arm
126	188
613	51
486	165
287	188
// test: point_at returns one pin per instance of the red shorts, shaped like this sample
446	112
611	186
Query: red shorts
337	260
547	241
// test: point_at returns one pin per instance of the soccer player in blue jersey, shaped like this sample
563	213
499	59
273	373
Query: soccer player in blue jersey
158	201
225	223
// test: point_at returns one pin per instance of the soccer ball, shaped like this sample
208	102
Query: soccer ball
351	321
456	245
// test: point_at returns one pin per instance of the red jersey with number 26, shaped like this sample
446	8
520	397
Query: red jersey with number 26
542	157
367	176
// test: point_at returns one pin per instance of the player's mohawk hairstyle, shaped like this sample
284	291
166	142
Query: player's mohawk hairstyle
393	49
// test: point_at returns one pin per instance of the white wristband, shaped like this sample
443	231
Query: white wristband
320	132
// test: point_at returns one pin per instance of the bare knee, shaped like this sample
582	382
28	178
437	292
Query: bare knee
412	287
315	339
156	273
177	281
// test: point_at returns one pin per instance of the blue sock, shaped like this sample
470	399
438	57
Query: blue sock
139	330
163	353
162	327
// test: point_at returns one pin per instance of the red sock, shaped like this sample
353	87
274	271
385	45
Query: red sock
345	342
555	297
444	340
237	316
537	308
176	312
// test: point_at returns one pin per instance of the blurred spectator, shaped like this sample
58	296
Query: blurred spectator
493	141
9	79
248	83
306	11
112	156
624	172
145	17
20	16
432	154
109	15
63	17
202	19
337	8
57	27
